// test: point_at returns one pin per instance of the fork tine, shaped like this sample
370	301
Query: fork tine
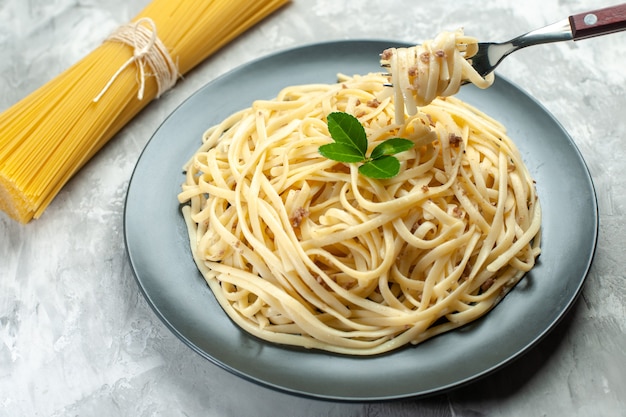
482	62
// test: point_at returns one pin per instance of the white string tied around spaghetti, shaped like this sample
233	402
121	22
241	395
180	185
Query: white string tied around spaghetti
149	50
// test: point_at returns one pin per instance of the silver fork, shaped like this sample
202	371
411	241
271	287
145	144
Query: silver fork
575	27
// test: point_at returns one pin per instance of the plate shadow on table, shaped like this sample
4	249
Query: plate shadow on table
504	382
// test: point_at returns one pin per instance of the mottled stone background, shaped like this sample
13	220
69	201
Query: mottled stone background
78	339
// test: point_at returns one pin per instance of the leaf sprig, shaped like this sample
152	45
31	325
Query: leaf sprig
350	145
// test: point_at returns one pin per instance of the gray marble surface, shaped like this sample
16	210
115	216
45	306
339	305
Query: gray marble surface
77	338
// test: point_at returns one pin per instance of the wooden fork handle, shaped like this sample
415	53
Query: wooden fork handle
598	22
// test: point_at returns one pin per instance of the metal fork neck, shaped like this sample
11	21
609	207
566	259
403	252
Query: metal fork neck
556	32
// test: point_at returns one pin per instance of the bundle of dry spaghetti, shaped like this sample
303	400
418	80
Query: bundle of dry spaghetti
49	135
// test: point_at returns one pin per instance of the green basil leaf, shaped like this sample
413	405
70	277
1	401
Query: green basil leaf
346	129
341	152
391	147
386	166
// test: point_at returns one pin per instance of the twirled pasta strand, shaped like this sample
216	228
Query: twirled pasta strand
435	68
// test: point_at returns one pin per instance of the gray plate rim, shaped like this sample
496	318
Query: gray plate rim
158	252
